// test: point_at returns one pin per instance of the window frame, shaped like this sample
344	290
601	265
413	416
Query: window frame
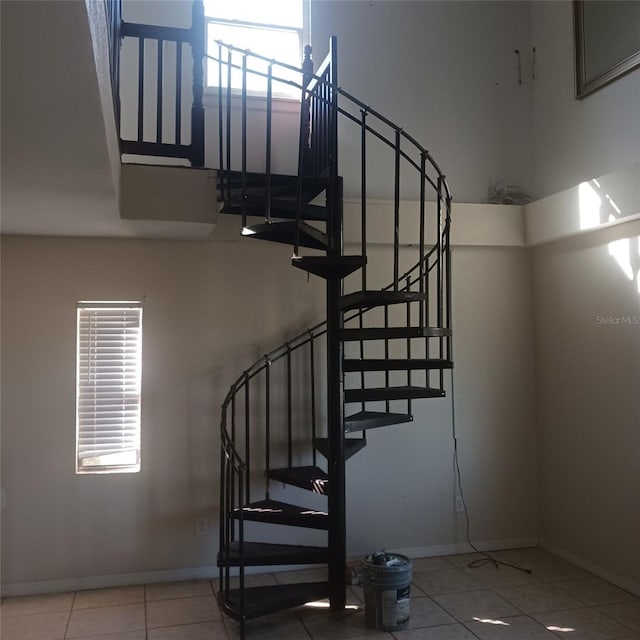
303	33
125	386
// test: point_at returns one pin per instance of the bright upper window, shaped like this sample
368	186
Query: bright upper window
276	30
108	385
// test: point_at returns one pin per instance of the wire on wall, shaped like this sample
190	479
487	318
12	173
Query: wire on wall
486	557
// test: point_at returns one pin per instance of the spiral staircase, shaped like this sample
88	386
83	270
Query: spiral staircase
292	419
379	350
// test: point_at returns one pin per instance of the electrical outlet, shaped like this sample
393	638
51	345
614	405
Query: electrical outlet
459	504
202	527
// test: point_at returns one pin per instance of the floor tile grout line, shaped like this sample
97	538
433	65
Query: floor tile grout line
73	601
602	613
146	621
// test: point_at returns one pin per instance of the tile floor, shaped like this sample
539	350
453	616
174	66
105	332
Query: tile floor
449	601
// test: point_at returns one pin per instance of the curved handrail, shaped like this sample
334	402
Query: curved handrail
300	340
313	79
340	91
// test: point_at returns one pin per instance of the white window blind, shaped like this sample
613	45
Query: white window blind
109	369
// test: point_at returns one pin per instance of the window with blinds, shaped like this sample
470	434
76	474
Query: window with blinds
109	371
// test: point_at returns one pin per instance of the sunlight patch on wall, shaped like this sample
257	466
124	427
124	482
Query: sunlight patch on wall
598	208
621	251
590	203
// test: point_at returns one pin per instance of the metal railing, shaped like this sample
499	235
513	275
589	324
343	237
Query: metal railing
274	384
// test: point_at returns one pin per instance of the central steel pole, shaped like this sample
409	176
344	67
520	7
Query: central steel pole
337	496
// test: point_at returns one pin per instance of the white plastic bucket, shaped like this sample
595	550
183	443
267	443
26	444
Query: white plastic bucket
386	578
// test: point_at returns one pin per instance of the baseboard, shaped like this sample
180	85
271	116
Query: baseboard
632	586
463	547
211	572
113	580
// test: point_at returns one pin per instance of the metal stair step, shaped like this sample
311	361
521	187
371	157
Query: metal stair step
351	445
395	364
282	513
364	420
392	333
390	393
310	478
366	299
254	602
256	554
285	232
329	267
279	208
281	184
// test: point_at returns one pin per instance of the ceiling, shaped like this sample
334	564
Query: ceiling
56	175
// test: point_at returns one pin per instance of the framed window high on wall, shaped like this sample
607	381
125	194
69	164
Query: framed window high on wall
277	30
607	42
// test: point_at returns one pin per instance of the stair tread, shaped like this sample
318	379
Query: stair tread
257	554
277	512
368	298
254	602
329	266
254	204
309	477
373	419
394	364
285	232
257	179
391	393
391	333
351	446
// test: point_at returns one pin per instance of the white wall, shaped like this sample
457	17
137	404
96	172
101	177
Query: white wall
444	71
587	327
212	308
575	140
447	73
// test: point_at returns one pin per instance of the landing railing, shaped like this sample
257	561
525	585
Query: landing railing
162	121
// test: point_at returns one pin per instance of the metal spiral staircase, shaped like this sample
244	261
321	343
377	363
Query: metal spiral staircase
293	418
379	349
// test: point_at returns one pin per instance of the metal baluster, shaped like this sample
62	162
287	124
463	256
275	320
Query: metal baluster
289	413
313	395
386	351
244	139
224	542
440	256
267	204
140	89
229	63
241	538
423	266
363	193
267	403
247	434
232	478
178	135
396	213
159	77
408	286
